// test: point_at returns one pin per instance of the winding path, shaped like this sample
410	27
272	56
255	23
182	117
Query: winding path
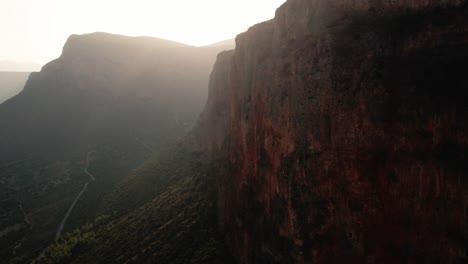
70	209
144	144
87	166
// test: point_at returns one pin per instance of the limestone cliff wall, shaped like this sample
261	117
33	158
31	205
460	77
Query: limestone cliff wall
347	135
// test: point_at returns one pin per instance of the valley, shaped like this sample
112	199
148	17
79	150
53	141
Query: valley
137	104
70	209
333	133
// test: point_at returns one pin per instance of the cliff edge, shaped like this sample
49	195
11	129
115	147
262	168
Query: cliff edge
346	136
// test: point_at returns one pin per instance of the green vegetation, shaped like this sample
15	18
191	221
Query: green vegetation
152	178
178	224
76	242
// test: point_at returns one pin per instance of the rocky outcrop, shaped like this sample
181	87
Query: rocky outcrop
346	134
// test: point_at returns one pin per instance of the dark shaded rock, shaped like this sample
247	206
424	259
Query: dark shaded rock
347	140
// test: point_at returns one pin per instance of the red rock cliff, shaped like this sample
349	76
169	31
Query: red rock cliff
347	134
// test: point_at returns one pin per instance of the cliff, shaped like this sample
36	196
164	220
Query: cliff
346	136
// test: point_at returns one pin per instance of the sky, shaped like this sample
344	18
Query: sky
34	31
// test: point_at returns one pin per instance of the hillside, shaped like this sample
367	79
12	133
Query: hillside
84	122
11	83
338	134
179	225
167	210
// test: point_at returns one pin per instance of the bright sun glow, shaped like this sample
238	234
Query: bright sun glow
35	30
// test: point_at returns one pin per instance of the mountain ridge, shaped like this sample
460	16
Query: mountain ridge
11	83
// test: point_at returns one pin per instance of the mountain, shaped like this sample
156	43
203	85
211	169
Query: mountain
11	83
83	123
224	43
167	210
107	88
334	133
14	66
346	141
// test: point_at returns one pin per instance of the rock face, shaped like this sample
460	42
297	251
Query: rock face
346	134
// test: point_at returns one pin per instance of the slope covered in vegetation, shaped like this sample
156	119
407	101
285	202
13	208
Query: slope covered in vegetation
179	225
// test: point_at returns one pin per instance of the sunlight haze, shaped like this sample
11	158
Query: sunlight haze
34	31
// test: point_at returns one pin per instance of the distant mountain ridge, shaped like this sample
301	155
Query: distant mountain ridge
227	43
99	74
11	83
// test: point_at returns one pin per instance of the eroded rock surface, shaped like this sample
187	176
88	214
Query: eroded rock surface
346	134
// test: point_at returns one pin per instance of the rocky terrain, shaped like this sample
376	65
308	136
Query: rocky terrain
334	133
347	140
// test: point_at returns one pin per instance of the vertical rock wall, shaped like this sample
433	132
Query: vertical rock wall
347	134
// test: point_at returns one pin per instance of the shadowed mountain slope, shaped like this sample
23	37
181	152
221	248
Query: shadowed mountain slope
11	83
114	100
107	89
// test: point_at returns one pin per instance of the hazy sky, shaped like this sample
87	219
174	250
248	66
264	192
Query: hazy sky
35	30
